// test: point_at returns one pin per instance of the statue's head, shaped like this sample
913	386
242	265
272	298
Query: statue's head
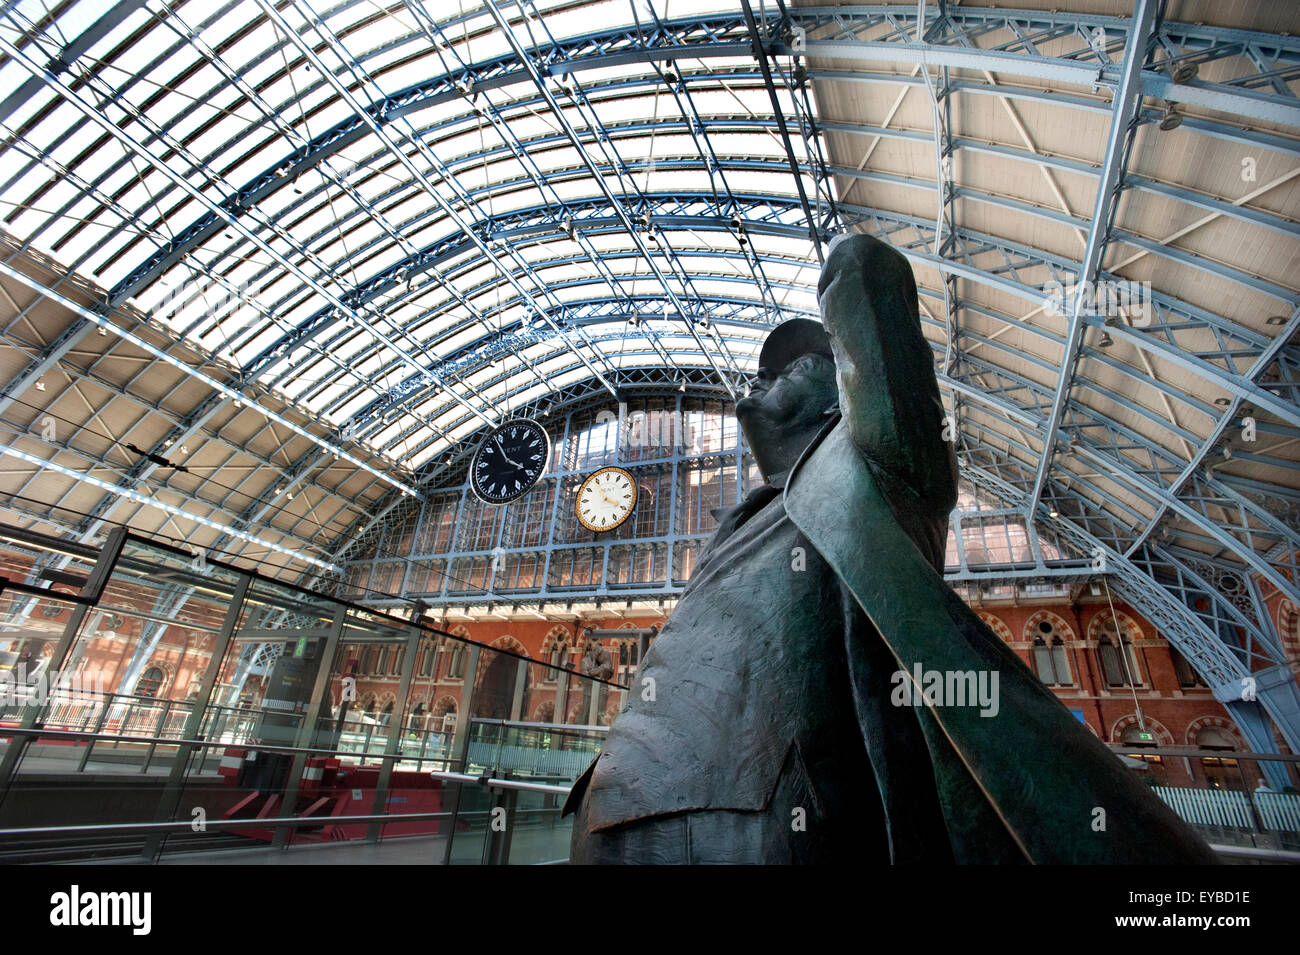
795	386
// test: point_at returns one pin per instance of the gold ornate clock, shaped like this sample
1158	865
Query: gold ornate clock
606	499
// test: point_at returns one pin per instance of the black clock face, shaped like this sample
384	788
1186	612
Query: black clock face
510	461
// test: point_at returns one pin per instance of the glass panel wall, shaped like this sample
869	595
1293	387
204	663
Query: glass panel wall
225	703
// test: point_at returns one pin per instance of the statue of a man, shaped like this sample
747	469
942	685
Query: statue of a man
596	661
785	713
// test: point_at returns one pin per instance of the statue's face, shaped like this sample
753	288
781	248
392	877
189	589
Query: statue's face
790	401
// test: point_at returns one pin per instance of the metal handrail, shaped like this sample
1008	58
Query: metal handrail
489	721
1254	852
1195	752
75	735
495	783
293	821
145	828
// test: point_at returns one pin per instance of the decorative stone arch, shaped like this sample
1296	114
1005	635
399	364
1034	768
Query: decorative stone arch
575	711
1288	631
1059	625
612	710
557	642
418	712
168	672
545	712
1047	641
1127	625
998	626
444	707
447	648
1157	729
507	642
1218	723
616	644
559	635
503	642
460	630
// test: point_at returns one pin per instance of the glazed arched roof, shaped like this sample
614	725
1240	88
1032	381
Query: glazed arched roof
334	241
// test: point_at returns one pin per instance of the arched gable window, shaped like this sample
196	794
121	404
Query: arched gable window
428	655
150	682
456	661
416	719
1187	676
1119	665
1051	661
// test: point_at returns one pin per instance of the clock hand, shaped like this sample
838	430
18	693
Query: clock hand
505	457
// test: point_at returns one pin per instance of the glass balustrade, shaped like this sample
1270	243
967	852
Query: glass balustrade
240	711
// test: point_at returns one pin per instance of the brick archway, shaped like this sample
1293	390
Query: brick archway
1157	729
998	626
1288	631
1215	722
1124	623
1059	624
545	712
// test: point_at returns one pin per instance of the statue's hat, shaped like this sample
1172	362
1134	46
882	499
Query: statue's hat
789	340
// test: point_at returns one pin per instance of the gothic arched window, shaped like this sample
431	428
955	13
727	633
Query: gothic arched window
1119	664
1051	661
150	682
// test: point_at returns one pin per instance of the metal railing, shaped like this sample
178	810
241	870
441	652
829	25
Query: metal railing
459	819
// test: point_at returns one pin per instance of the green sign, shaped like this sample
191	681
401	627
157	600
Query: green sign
301	648
1140	735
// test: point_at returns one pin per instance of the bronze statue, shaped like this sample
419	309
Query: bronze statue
786	712
596	661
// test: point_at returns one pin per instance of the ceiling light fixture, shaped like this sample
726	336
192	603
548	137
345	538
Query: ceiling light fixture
1275	320
1183	72
1170	118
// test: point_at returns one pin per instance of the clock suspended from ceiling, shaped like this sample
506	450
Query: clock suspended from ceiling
511	459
